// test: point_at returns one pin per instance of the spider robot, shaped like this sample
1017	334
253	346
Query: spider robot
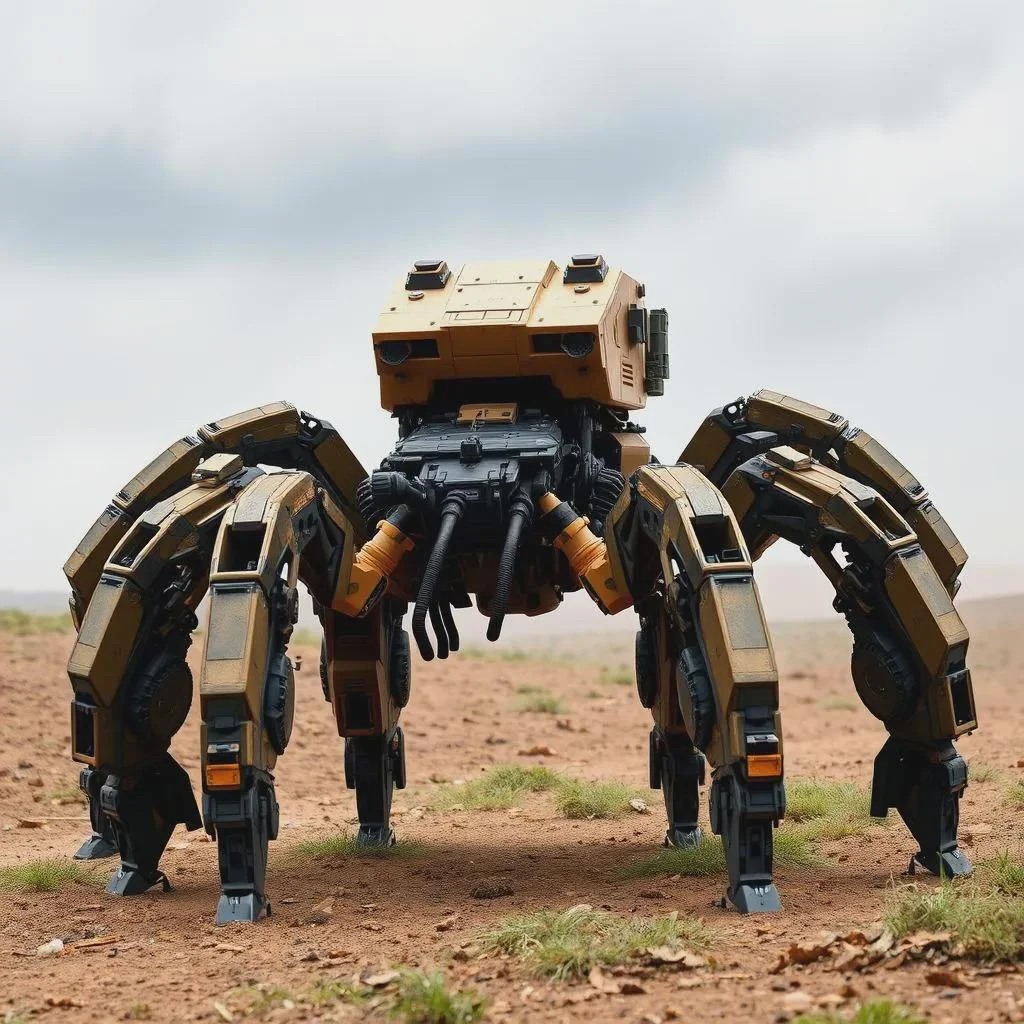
517	476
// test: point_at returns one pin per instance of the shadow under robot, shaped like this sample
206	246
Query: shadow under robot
517	476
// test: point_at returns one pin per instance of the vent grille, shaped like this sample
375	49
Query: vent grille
627	374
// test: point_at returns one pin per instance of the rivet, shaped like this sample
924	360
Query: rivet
413	296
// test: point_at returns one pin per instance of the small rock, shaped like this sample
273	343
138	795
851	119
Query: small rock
380	979
631	987
652	894
491	889
538	750
310	957
51	948
797	1002
321	912
640	806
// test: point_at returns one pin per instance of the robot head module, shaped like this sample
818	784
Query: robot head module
584	329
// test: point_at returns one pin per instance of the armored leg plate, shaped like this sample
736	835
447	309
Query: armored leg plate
374	767
243	823
103	841
677	769
925	786
744	814
143	808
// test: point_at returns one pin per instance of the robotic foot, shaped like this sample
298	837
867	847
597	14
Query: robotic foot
369	836
744	814
924	785
243	823
245	908
374	768
142	808
677	769
96	847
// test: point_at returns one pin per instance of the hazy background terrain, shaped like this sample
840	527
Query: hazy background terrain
202	207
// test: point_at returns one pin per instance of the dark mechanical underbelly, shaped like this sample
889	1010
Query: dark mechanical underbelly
485	464
468	492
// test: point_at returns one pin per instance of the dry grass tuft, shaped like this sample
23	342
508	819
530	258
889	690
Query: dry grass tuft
1013	795
45	876
984	914
791	847
577	798
345	845
498	789
426	999
19	623
567	944
876	1011
541	701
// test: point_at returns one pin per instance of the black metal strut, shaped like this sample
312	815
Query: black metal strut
520	516
451	512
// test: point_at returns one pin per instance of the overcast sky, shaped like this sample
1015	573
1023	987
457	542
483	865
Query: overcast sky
203	206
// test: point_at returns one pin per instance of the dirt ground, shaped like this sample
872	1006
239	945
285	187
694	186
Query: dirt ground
169	962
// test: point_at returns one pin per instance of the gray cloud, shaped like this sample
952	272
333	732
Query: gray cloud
202	208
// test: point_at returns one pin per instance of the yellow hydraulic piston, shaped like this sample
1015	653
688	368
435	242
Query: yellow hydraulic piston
374	564
587	554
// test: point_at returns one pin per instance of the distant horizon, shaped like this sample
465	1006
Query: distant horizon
792	593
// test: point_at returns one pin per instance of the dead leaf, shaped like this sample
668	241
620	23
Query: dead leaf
925	940
30	823
809	952
864	936
222	1011
225	947
539	750
830	1001
631	987
946	977
797	1002
601	982
380	979
675	955
320	913
63	1003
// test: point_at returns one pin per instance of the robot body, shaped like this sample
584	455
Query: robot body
517	477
